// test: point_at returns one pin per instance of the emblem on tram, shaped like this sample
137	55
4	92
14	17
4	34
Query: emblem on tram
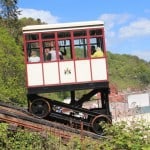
67	71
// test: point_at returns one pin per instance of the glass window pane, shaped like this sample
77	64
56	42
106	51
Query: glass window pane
49	44
81	52
65	49
64	34
48	35
79	33
97	49
95	32
80	46
81	41
32	37
33	52
33	45
97	42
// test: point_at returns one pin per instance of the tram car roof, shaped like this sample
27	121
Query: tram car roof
62	26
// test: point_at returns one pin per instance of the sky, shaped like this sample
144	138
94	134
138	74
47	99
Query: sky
127	22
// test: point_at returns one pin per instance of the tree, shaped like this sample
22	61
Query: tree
9	16
11	69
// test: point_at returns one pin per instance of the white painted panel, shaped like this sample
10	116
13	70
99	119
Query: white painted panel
67	73
34	74
51	73
99	71
83	72
139	100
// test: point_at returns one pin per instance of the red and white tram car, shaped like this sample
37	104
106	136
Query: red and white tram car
62	57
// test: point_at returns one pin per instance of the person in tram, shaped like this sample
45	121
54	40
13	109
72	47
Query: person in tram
47	55
93	50
34	57
54	55
97	53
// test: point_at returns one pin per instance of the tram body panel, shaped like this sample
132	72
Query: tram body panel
83	72
99	69
51	73
67	72
34	74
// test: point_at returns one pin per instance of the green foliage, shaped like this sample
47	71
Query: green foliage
123	136
29	21
12	69
119	136
128	71
26	140
86	143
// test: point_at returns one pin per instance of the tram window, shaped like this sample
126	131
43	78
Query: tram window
65	49
79	33
47	53
33	49
49	44
80	46
33	45
98	50
81	41
96	32
48	35
32	37
98	42
64	34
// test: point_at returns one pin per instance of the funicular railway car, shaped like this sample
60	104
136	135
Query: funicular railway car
67	57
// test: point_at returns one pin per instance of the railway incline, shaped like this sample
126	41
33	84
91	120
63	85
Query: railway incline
19	117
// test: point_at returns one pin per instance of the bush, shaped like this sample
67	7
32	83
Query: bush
119	136
123	136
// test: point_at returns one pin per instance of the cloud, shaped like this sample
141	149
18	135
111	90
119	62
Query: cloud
147	10
143	54
137	28
126	32
121	25
44	16
111	20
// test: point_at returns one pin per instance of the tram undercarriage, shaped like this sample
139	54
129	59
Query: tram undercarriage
73	113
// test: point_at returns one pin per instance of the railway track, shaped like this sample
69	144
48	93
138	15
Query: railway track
20	117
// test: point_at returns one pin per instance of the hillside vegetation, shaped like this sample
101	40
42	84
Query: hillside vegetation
128	71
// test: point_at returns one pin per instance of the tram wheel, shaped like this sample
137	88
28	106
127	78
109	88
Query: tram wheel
40	108
96	123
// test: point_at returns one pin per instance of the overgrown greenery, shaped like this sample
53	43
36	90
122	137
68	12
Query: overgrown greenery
132	136
12	68
26	140
128	71
120	136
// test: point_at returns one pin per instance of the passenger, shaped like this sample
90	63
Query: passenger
54	55
98	53
34	57
93	50
62	53
47	55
